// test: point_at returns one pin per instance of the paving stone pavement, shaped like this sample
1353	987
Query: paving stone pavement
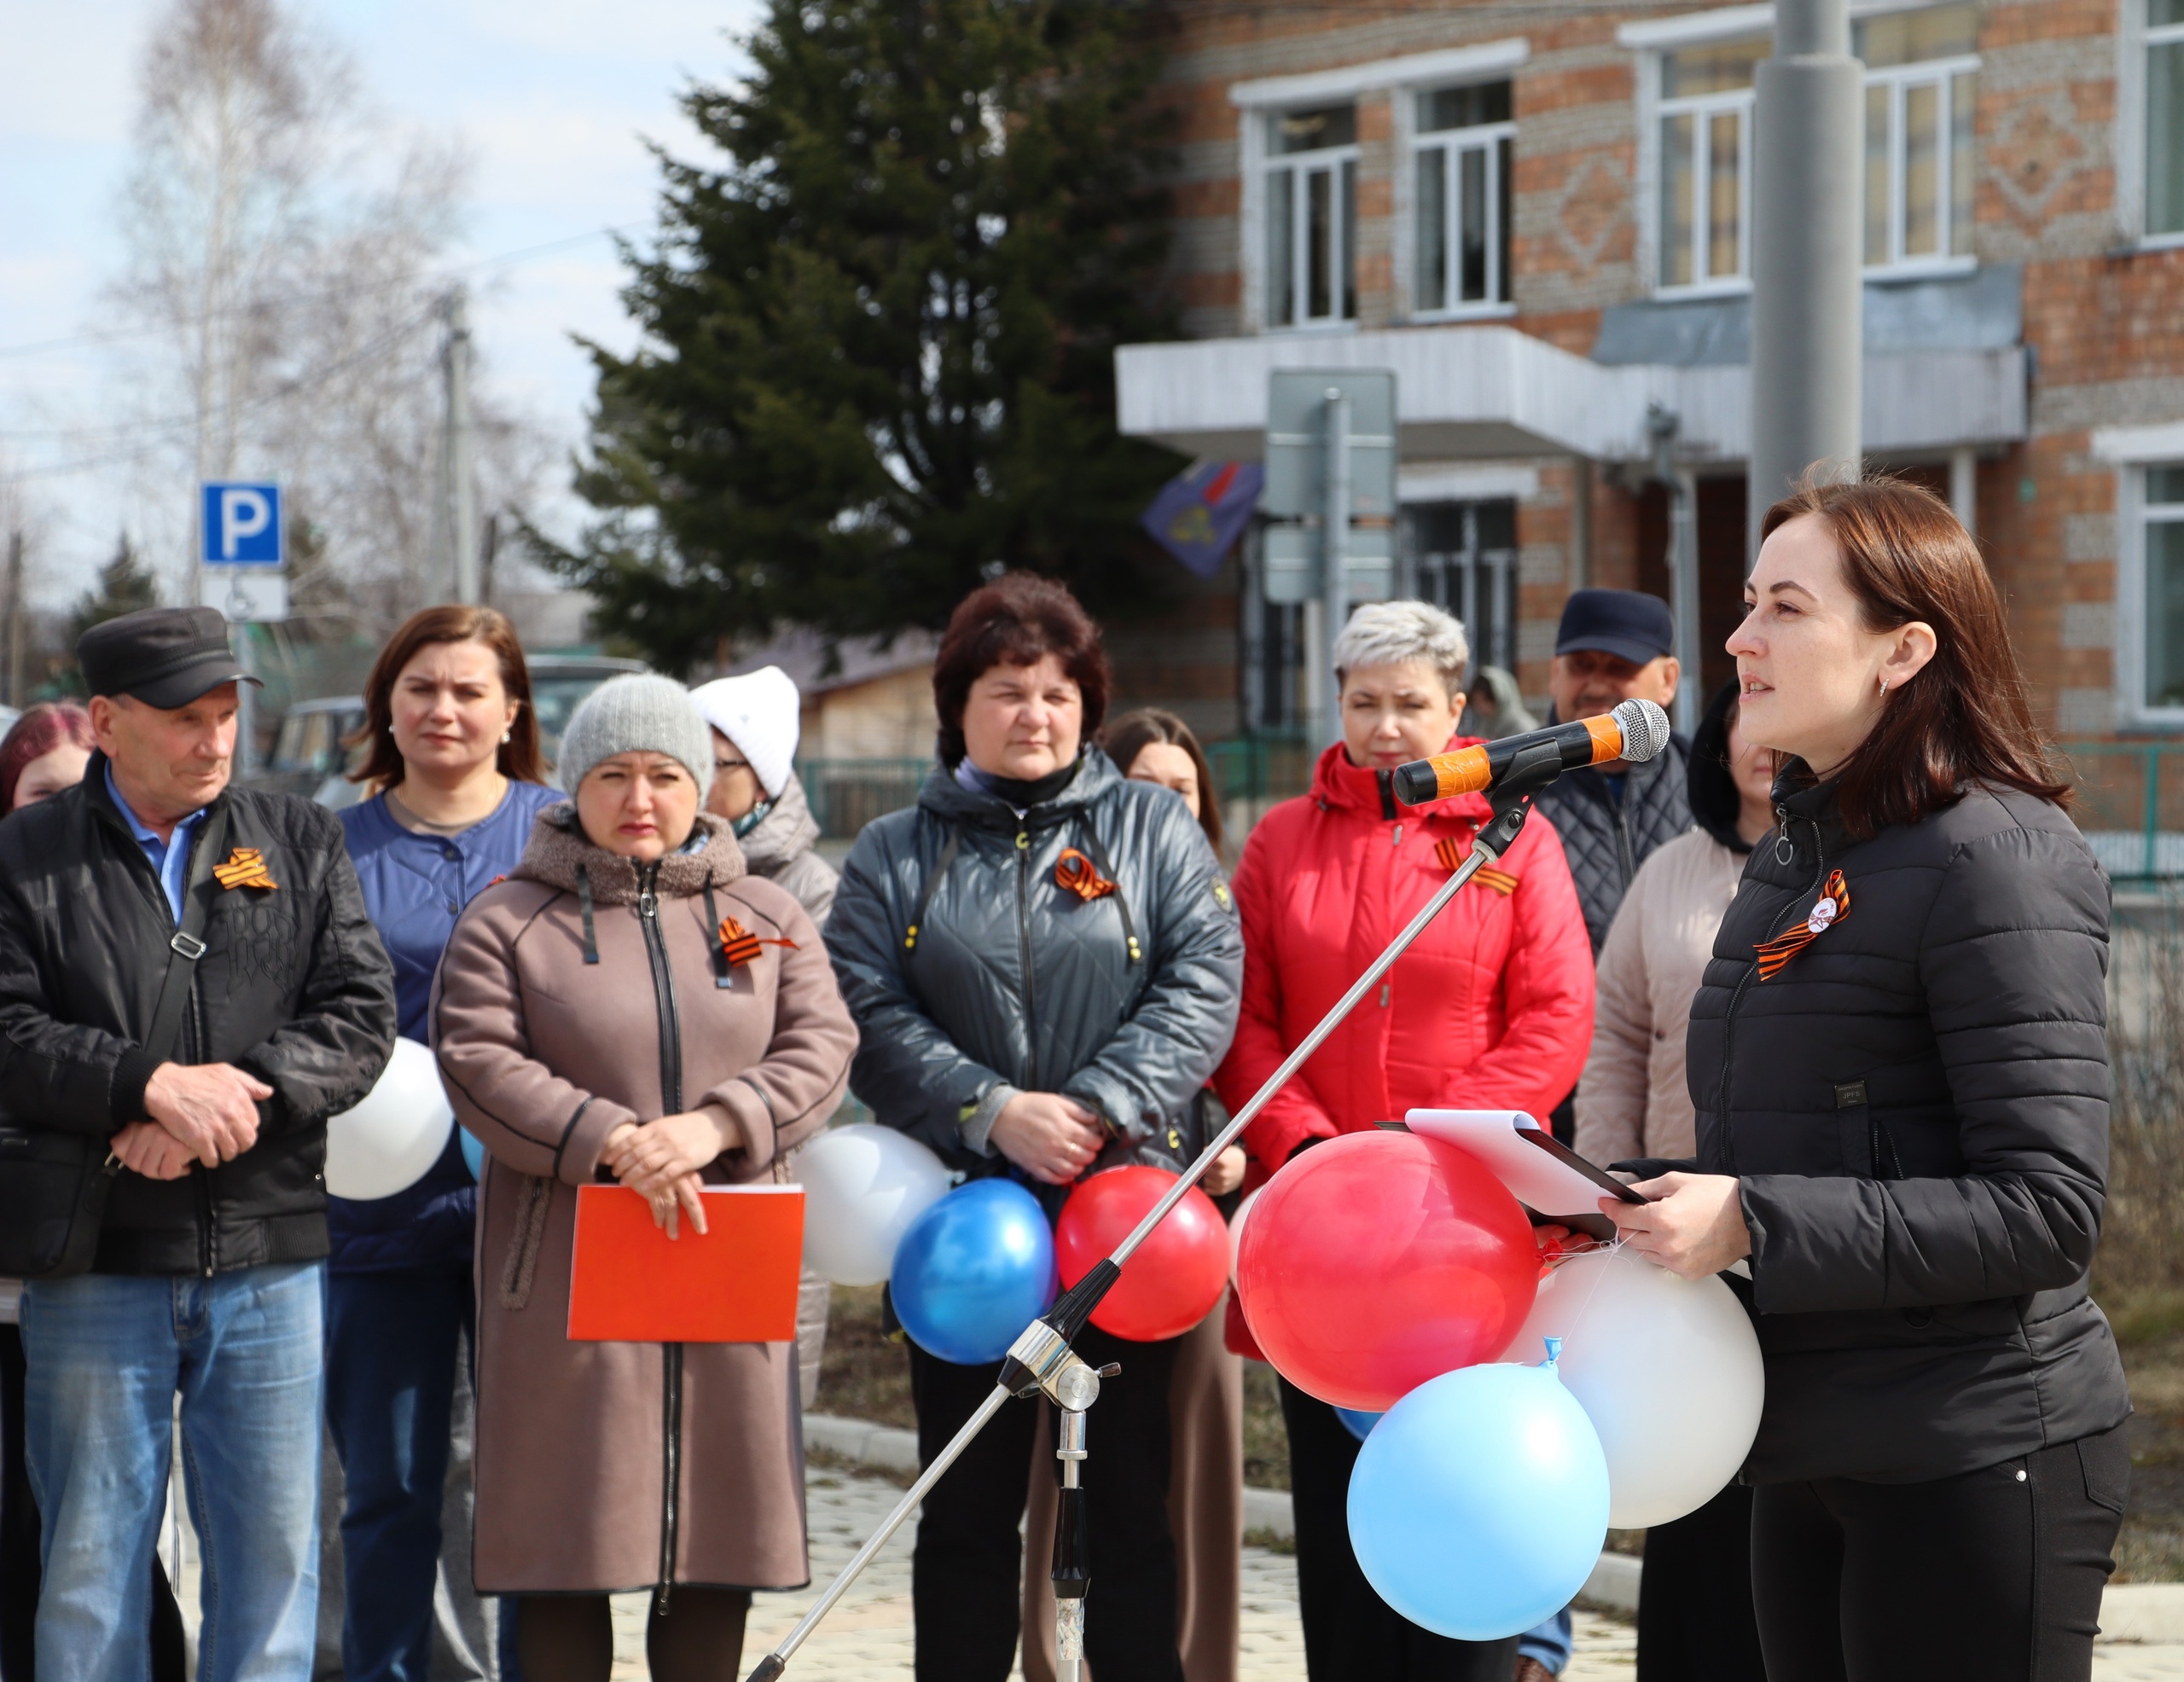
866	1638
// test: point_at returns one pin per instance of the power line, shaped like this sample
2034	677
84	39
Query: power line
110	335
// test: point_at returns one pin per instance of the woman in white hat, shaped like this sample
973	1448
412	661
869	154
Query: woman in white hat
756	720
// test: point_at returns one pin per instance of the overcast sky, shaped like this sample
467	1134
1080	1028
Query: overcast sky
552	98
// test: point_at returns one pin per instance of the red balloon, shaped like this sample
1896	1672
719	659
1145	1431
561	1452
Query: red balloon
1176	1275
1379	1259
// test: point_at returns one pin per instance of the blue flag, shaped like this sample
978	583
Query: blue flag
1200	511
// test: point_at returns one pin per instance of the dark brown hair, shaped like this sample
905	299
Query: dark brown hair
1964	718
1134	732
519	756
1014	621
43	727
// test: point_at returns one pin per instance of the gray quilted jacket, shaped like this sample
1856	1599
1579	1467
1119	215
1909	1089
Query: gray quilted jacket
780	847
1607	840
1012	983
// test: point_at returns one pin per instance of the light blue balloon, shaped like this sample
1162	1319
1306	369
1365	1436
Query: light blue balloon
1479	1504
973	1271
473	1153
1358	1421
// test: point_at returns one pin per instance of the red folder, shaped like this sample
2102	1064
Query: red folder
734	1284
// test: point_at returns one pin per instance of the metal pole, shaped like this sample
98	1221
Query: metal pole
18	620
1683	594
1334	556
1963	487
1807	254
462	488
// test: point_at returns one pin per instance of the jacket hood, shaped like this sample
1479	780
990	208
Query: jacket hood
951	801
784	833
559	846
1712	791
1338	785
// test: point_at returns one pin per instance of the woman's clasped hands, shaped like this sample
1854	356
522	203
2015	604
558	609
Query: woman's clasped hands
663	1162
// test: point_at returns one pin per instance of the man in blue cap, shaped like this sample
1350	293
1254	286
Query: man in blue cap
1615	646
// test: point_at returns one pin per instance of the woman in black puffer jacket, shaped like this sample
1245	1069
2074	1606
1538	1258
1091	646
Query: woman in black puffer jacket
1899	1064
1044	964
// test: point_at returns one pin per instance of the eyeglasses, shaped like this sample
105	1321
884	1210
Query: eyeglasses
731	764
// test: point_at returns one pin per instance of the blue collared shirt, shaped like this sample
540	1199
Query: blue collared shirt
169	859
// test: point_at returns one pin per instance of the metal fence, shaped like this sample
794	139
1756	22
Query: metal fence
2131	801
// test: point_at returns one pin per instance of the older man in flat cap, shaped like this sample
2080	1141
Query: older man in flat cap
154	879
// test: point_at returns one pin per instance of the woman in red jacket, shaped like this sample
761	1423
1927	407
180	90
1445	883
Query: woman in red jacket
1492	1009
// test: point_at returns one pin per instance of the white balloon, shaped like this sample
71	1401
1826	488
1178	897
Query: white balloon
1236	1231
864	1185
391	1140
1667	1369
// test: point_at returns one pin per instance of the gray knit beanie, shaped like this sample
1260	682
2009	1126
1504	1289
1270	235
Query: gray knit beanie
641	713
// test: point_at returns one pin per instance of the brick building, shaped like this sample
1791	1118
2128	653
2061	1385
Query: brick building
1538	216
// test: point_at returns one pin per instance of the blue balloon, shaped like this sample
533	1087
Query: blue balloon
973	1271
1357	1421
473	1153
1479	1504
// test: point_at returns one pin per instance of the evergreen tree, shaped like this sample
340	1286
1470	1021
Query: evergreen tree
125	584
878	361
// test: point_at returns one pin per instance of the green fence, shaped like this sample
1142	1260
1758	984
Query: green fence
2130	804
846	794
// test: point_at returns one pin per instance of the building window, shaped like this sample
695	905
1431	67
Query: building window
1462	175
2164	94
2163	511
1311	216
1705	159
1919	68
1466	556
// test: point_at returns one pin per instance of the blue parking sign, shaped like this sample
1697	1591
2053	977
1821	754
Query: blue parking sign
241	523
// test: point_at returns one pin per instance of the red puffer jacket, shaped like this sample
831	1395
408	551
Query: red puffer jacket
1492	1009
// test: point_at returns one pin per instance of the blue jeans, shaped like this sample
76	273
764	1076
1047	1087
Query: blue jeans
107	1355
1550	1642
391	1341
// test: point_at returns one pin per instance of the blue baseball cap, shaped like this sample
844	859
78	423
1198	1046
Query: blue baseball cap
1628	623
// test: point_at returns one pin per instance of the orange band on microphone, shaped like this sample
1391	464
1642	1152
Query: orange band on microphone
1607	739
1464	772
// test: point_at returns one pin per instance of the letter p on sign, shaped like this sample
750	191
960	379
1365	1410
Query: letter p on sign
242	525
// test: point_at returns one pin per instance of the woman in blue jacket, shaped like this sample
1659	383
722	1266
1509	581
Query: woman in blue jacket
454	752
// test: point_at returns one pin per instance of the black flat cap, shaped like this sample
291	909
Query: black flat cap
1628	623
163	657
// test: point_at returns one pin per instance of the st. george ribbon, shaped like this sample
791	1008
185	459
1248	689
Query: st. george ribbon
1509	772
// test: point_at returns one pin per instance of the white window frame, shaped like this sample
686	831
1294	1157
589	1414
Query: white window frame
2133	514
2134	105
1302	165
1257	99
1702	108
1896	79
1500	298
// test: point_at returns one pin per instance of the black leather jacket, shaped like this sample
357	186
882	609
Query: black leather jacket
1916	1107
1013	981
294	987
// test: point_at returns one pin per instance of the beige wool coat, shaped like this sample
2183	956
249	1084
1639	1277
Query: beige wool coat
1632	1101
616	1466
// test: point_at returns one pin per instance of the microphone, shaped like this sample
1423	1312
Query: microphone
1634	731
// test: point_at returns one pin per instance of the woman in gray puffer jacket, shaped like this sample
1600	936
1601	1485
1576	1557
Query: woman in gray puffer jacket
1044	963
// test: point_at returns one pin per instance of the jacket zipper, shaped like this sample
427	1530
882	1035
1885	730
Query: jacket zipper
671	1096
1729	1017
1023	946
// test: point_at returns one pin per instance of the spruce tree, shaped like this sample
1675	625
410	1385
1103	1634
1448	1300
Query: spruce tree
877	365
125	585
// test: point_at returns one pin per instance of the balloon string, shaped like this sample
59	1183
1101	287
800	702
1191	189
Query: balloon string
1596	1249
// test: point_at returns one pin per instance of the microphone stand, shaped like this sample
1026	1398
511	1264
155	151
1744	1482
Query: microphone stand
1041	1361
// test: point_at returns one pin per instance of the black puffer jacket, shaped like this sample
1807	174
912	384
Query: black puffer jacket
1013	981
1607	839
1917	1108
294	987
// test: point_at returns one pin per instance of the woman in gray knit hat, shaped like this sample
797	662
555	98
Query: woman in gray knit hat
631	1005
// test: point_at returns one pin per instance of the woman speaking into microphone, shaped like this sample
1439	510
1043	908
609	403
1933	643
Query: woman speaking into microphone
1899	1066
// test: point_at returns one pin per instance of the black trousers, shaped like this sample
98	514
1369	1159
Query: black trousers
1995	1574
1350	1633
1695	1620
967	1575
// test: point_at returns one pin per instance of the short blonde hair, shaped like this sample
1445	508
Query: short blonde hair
1384	633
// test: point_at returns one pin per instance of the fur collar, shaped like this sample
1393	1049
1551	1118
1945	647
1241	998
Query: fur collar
558	846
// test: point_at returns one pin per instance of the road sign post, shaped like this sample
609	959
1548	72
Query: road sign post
1330	460
242	552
